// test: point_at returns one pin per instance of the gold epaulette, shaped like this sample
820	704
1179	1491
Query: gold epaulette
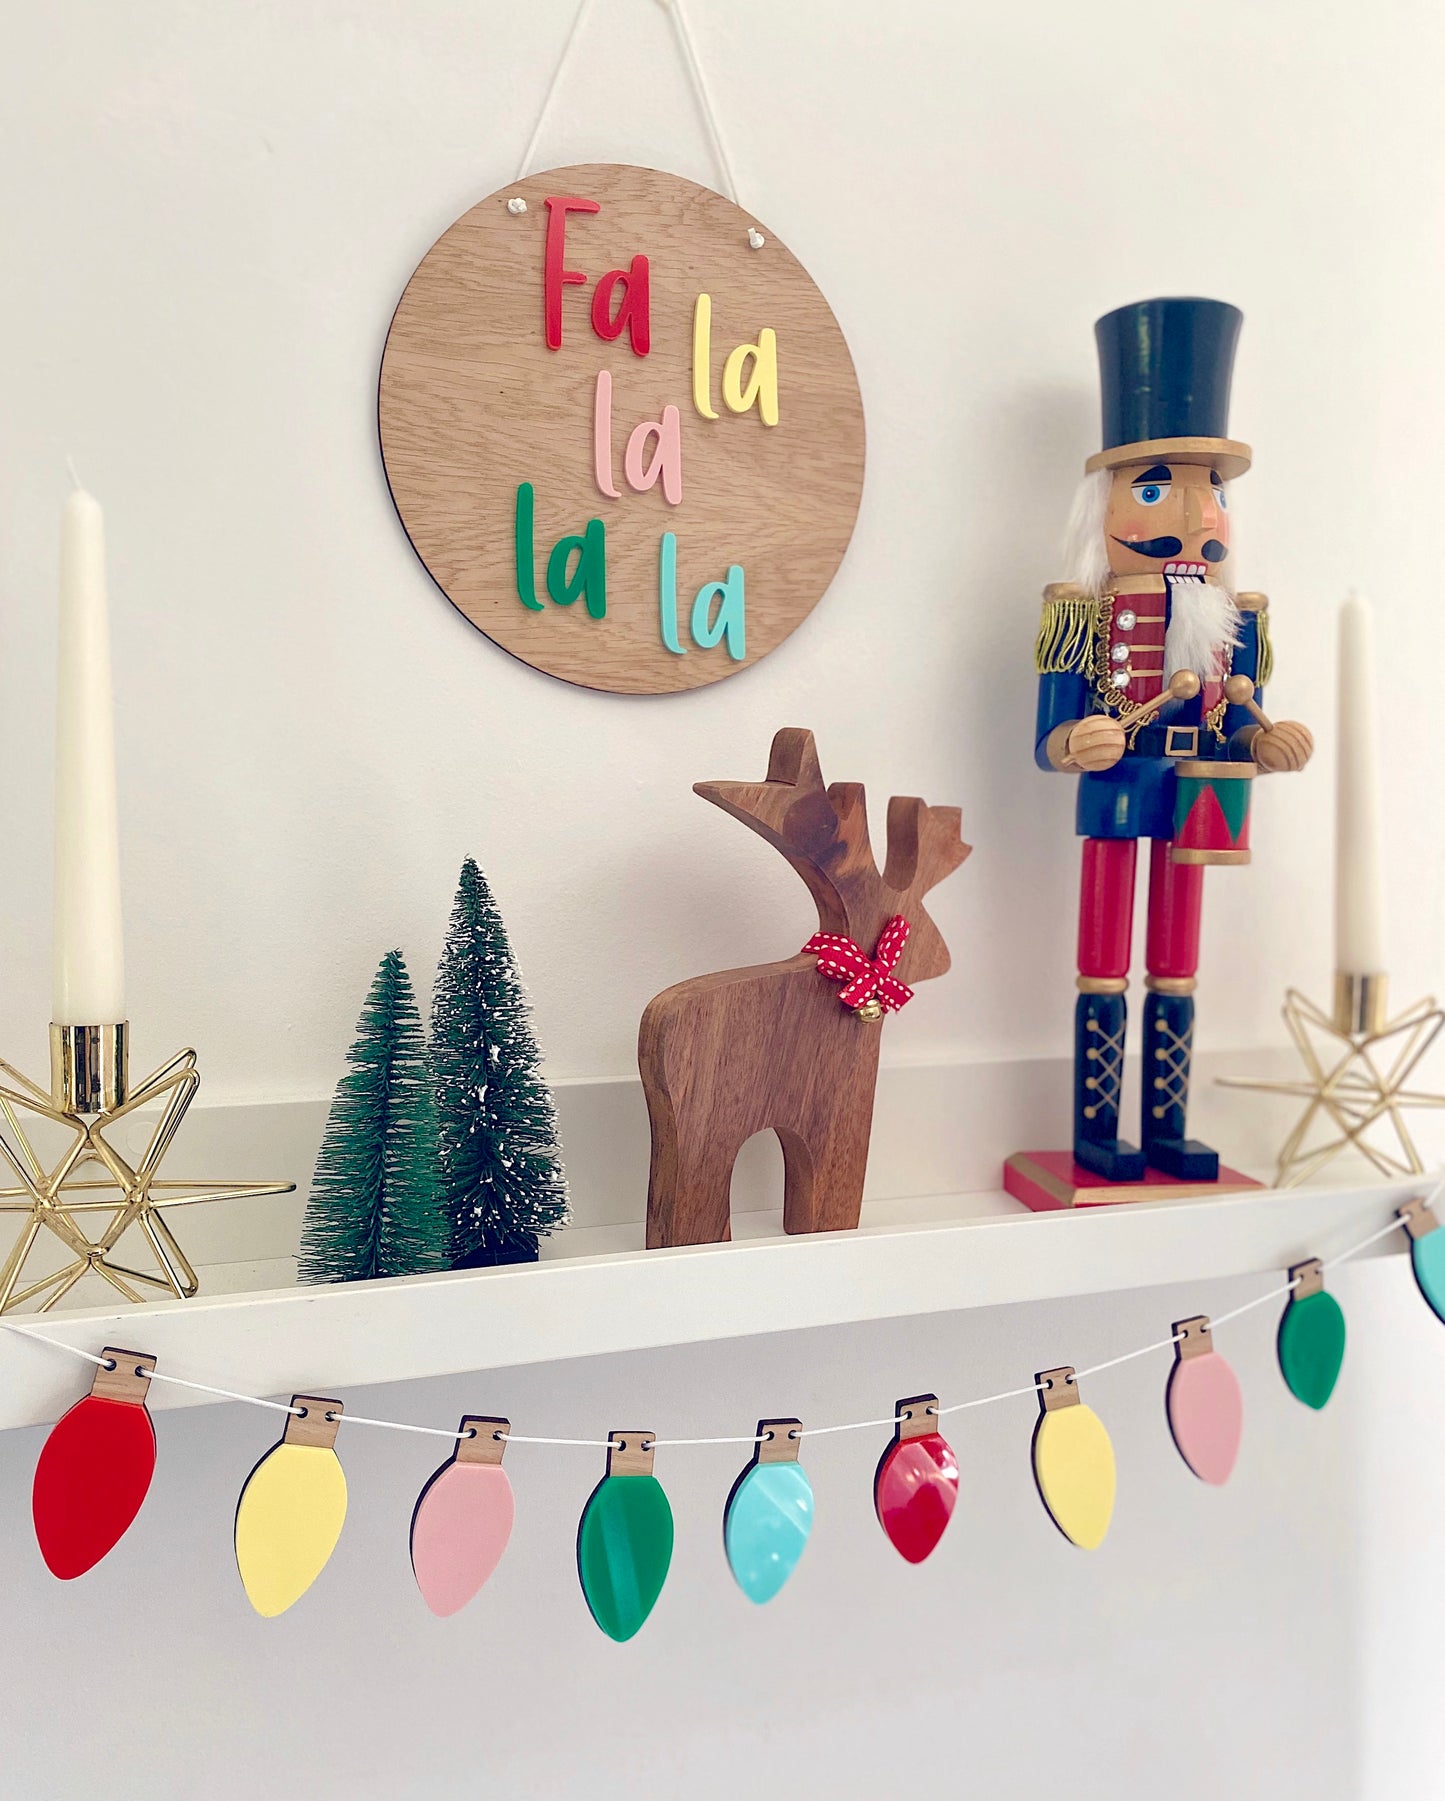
1259	605
1064	645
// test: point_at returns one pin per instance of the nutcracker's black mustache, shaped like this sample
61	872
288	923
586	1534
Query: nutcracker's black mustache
1211	550
1154	547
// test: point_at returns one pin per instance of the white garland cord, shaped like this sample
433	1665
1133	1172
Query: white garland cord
604	1444
691	62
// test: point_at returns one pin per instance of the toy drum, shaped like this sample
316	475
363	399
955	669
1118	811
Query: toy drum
1211	812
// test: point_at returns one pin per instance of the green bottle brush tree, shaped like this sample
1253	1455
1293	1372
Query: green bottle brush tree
375	1207
501	1161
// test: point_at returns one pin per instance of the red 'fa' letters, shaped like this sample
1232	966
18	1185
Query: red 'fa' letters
556	275
633	310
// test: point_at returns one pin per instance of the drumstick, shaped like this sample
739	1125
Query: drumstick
1239	692
1183	685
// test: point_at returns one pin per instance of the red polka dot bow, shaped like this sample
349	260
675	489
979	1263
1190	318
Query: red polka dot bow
866	977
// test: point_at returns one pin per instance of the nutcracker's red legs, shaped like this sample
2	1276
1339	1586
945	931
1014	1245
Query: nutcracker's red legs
1106	909
1176	892
1106	921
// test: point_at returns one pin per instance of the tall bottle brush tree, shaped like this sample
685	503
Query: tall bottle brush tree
375	1207
501	1159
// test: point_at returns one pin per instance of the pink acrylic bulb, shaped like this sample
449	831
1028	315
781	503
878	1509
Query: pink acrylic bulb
463	1518
1204	1403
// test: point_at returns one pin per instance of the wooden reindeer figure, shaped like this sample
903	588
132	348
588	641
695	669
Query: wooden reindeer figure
780	1045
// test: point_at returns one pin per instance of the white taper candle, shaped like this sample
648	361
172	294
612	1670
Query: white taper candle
1359	860
89	966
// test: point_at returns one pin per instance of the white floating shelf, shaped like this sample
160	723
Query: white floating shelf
909	1257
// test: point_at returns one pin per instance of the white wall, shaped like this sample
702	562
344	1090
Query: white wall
1213	1647
207	214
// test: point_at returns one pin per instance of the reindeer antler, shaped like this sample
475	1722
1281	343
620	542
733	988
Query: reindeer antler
822	832
793	759
790	806
824	835
925	844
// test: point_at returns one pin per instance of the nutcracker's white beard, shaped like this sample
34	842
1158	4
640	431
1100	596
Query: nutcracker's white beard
1204	622
1203	628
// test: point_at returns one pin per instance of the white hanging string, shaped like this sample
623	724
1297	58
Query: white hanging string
1160	1344
1390	1226
59	1344
228	1394
1261	1300
1009	1394
755	1438
24	1330
704	97
588	1444
357	1419
578	19
889	1419
691	62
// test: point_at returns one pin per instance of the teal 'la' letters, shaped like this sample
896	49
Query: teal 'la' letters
731	620
667	592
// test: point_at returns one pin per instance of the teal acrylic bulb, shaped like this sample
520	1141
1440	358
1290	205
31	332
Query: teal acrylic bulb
1427	1253
769	1514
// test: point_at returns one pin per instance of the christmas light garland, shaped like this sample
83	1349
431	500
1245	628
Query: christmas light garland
95	1468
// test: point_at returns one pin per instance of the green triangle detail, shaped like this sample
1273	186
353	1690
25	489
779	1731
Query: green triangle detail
1234	804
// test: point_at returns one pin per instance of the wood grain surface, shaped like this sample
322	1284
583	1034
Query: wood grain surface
724	1056
315	1424
472	403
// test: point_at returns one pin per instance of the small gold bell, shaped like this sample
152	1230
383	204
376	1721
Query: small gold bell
871	1010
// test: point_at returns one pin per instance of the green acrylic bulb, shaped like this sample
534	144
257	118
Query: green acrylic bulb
1311	1337
624	1543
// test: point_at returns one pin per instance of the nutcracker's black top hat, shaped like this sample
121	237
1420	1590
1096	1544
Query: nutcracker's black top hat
1164	368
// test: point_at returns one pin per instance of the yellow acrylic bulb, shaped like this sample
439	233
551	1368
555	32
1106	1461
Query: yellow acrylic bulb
292	1509
1073	1461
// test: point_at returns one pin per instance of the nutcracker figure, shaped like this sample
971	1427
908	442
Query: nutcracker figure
1151	668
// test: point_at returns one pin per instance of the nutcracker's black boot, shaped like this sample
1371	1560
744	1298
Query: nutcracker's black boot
1099	1021
1168	1044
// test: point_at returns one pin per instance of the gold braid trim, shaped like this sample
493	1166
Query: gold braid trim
1214	718
1111	699
1065	633
1258	604
1266	649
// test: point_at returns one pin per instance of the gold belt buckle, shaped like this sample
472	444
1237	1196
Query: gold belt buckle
1181	741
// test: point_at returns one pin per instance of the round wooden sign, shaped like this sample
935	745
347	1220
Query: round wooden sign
622	428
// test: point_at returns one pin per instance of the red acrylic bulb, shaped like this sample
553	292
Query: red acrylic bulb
95	1468
916	1486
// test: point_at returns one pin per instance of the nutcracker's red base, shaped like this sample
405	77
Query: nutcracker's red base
1045	1180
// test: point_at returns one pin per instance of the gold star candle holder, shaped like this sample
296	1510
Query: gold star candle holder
1358	1062
92	1200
